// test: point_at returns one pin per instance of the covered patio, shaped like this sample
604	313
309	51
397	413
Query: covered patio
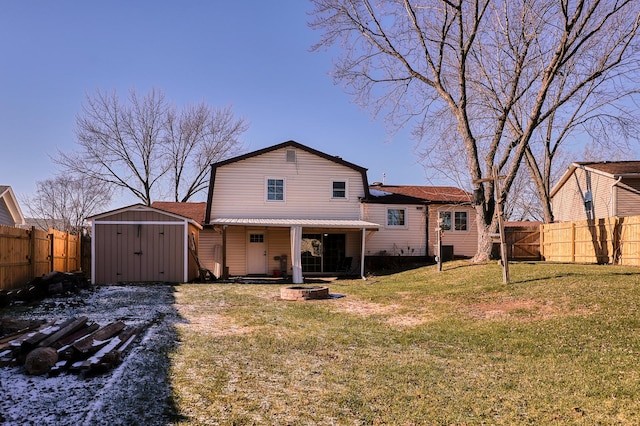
314	245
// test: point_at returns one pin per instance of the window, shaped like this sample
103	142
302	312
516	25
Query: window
446	221
339	189
460	221
256	238
275	189
396	217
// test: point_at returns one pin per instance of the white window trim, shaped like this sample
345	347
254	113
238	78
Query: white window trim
266	189
453	221
406	217
346	190
453	212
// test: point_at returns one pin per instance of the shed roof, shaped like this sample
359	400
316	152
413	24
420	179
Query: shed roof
432	194
142	207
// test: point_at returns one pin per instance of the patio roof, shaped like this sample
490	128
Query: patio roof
306	223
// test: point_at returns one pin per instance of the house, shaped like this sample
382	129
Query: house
596	190
422	206
292	209
140	243
286	209
10	213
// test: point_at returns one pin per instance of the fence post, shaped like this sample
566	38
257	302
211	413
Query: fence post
573	242
32	253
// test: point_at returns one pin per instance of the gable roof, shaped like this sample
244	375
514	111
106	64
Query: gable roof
7	195
195	211
143	207
612	169
430	194
287	144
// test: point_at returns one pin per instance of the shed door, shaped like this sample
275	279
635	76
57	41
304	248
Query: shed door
139	252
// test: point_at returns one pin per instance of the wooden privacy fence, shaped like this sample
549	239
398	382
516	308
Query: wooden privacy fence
613	240
29	253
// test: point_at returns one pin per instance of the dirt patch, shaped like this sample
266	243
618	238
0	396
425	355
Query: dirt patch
217	325
396	315
524	310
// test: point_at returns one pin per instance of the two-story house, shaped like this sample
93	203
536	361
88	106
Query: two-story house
287	208
292	209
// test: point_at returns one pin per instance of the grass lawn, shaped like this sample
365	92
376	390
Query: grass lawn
560	345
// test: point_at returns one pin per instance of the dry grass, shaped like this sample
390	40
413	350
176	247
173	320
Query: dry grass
559	346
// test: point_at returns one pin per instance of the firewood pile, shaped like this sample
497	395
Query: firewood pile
75	345
52	284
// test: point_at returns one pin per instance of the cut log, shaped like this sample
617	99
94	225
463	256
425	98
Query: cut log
40	360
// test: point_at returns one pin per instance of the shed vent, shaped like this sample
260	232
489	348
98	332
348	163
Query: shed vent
291	156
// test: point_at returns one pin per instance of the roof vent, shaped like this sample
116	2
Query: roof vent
291	156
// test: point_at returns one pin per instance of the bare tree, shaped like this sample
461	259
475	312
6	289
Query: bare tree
494	67
64	202
196	138
147	147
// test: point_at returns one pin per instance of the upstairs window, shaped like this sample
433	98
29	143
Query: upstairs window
339	189
396	217
275	189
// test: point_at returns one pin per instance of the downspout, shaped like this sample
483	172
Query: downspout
93	252
362	252
611	201
617	248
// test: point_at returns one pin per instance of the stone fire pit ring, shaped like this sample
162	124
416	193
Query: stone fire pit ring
301	292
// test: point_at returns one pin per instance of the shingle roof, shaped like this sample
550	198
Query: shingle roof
615	168
434	194
193	211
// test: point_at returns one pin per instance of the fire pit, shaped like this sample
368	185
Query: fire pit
304	293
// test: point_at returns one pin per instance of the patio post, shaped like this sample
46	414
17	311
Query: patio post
296	254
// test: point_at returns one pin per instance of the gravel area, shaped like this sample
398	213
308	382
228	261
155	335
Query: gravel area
136	392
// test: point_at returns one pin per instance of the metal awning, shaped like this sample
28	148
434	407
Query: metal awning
305	223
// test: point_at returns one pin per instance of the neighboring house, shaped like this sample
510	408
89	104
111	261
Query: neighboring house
10	212
595	190
292	209
140	243
421	206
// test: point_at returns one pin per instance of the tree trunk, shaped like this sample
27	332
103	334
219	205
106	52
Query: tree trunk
483	254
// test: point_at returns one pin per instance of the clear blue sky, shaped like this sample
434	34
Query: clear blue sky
254	55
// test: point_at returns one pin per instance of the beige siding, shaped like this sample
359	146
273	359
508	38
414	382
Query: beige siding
627	195
568	202
239	189
278	244
210	251
465	243
396	241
